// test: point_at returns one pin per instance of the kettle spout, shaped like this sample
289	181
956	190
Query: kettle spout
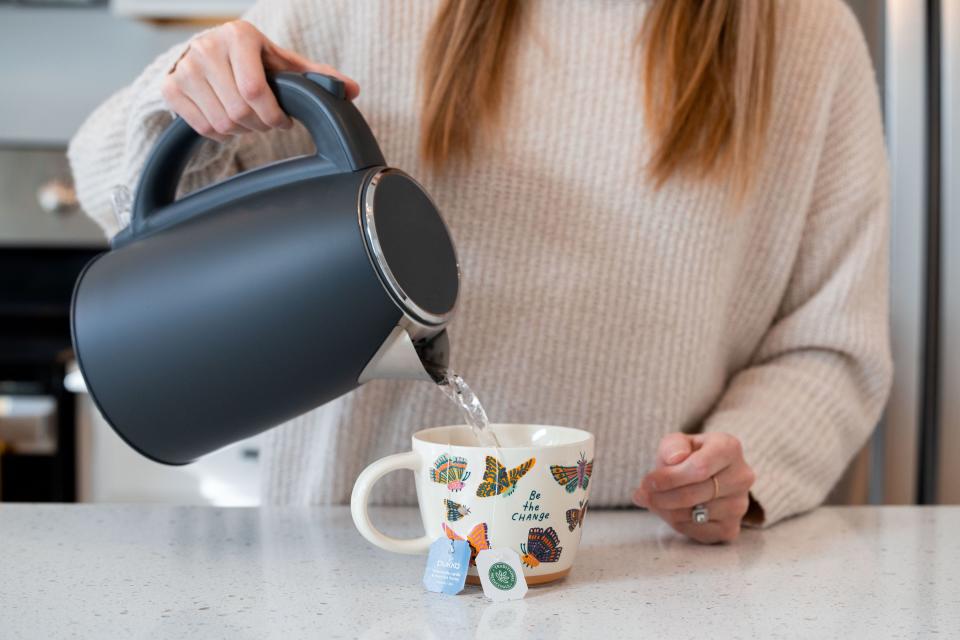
435	356
400	358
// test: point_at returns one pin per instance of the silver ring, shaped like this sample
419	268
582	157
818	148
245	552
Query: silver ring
700	514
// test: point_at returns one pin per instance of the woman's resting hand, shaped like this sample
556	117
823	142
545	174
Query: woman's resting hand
219	85
686	465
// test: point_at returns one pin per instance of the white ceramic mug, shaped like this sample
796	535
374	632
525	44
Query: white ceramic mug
534	508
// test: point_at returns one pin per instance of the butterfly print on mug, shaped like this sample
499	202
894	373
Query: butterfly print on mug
543	545
575	516
450	471
477	539
574	476
498	481
455	510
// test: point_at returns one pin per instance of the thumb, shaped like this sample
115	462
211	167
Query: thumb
674	448
279	59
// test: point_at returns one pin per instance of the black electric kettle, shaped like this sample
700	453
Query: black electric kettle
256	299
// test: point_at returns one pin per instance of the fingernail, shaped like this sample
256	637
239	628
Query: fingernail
674	456
651	484
638	498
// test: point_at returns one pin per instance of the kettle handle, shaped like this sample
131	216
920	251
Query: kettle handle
340	134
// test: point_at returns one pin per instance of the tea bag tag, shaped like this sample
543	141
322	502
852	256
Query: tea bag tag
501	575
447	565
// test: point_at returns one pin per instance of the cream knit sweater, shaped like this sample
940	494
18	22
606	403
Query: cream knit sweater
589	298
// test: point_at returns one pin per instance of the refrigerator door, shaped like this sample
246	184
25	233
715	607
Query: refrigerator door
905	111
948	435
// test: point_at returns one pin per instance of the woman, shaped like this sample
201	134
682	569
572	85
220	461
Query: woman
671	219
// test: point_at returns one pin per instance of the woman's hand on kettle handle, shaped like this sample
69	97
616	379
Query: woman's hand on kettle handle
219	84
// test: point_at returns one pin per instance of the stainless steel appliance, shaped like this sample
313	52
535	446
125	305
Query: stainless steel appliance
44	241
916	48
943	484
36	411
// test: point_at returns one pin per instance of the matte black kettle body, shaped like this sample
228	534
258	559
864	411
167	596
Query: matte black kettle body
256	299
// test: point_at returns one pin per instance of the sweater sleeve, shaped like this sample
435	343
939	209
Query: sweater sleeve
110	148
817	383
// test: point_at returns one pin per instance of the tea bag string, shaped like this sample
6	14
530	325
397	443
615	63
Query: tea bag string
445	513
496	497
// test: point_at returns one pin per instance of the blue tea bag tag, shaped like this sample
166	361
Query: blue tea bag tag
447	565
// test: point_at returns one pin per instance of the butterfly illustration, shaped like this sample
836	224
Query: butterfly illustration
542	545
455	510
572	477
497	481
477	539
450	471
575	516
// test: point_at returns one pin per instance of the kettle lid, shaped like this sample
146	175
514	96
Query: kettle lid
410	245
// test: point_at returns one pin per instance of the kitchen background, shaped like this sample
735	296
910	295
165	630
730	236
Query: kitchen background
59	59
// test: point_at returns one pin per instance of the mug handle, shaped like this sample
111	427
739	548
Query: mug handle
361	494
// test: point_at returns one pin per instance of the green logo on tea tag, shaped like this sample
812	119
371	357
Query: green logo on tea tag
502	576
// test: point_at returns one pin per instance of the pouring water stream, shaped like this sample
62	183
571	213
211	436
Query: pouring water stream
454	387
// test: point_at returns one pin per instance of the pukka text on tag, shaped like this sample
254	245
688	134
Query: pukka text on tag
447	565
501	575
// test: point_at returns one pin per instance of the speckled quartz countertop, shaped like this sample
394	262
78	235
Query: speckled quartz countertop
196	572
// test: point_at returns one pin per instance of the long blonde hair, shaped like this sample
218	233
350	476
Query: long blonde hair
708	67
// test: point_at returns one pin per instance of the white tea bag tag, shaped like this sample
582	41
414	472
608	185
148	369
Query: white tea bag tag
447	565
501	575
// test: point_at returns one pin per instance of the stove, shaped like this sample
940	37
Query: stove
45	240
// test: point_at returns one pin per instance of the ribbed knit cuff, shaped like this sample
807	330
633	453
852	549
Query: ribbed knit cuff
799	424
146	96
776	493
